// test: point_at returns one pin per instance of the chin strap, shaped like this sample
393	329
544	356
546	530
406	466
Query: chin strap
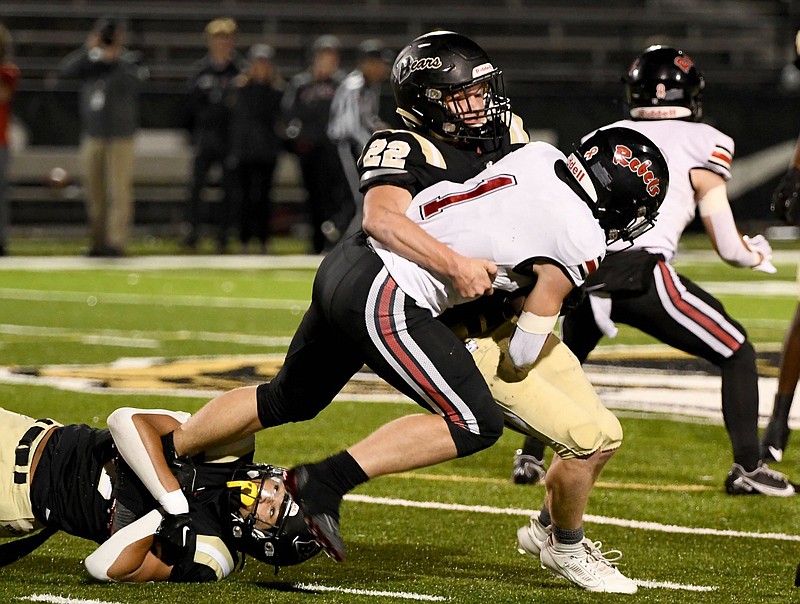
19	548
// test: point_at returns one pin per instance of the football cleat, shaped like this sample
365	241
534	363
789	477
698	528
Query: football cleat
531	537
761	481
775	439
324	527
527	469
586	566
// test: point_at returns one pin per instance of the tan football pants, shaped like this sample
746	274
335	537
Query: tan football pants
554	403
16	514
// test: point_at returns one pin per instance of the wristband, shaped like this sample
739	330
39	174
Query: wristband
174	503
532	323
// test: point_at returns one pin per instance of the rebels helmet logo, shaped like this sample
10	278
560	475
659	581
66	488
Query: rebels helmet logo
684	63
426	63
623	156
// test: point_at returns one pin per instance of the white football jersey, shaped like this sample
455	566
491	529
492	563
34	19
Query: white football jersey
515	211
686	146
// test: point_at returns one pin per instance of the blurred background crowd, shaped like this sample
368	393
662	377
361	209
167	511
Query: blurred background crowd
224	125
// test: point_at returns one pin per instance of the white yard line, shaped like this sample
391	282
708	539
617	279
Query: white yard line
591	518
404	595
95	298
61	600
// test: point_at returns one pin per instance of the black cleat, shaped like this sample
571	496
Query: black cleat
527	469
761	481
324	526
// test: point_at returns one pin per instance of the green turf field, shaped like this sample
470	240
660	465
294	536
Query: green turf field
441	534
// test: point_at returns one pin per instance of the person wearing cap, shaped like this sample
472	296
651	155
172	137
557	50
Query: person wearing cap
255	144
306	107
355	113
210	89
110	83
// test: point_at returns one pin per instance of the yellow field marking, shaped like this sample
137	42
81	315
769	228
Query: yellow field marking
628	486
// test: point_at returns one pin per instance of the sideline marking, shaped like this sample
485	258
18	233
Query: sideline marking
609	520
60	600
312	587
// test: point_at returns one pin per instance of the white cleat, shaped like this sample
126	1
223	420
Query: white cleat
530	538
586	566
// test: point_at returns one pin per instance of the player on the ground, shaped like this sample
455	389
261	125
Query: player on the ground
639	286
104	486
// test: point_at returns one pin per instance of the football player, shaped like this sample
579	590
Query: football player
543	221
639	286
77	479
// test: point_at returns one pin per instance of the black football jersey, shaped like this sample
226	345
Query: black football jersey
414	161
80	480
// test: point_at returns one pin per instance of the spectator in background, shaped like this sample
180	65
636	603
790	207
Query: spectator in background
306	107
210	88
255	144
9	77
354	113
109	106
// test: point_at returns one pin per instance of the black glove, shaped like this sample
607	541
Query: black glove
786	197
176	537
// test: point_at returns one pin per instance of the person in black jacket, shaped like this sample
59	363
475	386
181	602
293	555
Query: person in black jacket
306	109
255	144
210	88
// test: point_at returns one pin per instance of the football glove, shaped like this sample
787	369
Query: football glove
786	197
760	245
176	536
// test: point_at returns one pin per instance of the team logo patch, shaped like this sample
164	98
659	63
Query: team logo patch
684	63
623	156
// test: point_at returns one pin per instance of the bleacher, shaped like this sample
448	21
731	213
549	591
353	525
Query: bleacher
550	51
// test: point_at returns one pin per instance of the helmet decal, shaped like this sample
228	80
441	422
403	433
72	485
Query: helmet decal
623	156
684	63
426	63
482	70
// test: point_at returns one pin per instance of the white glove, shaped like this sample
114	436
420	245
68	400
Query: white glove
760	245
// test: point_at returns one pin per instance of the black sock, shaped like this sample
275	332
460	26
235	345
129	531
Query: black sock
342	472
329	480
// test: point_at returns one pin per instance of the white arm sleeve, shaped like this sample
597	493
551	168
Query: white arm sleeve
715	209
104	557
130	446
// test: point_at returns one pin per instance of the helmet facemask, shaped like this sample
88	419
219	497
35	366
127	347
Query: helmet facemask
285	542
467	121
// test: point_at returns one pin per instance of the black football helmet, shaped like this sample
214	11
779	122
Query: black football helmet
625	178
437	66
289	542
663	83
